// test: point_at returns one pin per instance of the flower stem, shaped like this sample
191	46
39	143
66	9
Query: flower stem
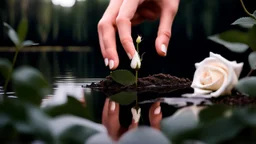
250	72
251	15
9	75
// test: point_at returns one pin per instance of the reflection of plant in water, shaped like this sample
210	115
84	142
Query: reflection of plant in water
126	78
239	41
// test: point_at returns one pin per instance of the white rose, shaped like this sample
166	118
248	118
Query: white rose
138	40
215	76
136	62
136	114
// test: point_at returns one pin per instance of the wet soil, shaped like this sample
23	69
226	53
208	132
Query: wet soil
160	84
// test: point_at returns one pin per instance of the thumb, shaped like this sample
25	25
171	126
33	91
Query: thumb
168	12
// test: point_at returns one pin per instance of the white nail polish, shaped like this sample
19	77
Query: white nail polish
113	106
129	55
111	64
157	110
163	48
106	61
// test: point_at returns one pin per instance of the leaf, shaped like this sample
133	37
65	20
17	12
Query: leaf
143	135
247	85
252	37
72	107
71	129
5	67
235	47
245	22
216	131
100	138
30	85
123	77
23	29
12	35
252	60
214	112
28	43
234	36
124	98
183	120
254	13
26	120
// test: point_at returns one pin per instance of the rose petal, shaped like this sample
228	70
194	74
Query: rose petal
135	61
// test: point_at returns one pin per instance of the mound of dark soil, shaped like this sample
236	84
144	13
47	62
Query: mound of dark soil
166	84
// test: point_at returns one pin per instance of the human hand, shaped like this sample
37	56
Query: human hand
120	15
110	119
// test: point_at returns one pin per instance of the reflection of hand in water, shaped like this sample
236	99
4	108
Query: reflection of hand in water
155	115
110	119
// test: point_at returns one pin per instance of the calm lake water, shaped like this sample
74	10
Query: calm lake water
75	66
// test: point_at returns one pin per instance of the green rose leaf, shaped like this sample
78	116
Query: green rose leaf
5	67
183	120
238	47
245	21
28	43
252	37
254	13
214	112
12	35
247	85
124	98
144	135
252	60
72	107
23	29
123	77
234	36
214	132
71	129
100	138
30	85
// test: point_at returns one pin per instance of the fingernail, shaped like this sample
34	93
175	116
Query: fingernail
113	106
111	64
163	48
106	61
157	110
129	55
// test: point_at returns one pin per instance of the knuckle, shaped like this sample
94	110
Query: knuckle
166	33
102	24
121	20
126	40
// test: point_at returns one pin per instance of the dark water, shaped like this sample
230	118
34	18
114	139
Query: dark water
76	68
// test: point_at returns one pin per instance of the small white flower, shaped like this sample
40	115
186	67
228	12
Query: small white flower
215	76
136	62
62	92
138	40
136	114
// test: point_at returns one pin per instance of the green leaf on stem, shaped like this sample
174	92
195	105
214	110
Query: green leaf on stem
12	35
123	77
71	129
252	37
234	36
72	107
247	85
245	22
23	29
254	13
183	120
233	46
214	112
30	85
5	67
124	98
252	60
143	135
28	43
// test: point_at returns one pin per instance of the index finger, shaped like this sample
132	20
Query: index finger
123	23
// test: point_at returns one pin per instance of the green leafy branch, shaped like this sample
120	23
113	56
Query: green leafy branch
239	41
18	40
